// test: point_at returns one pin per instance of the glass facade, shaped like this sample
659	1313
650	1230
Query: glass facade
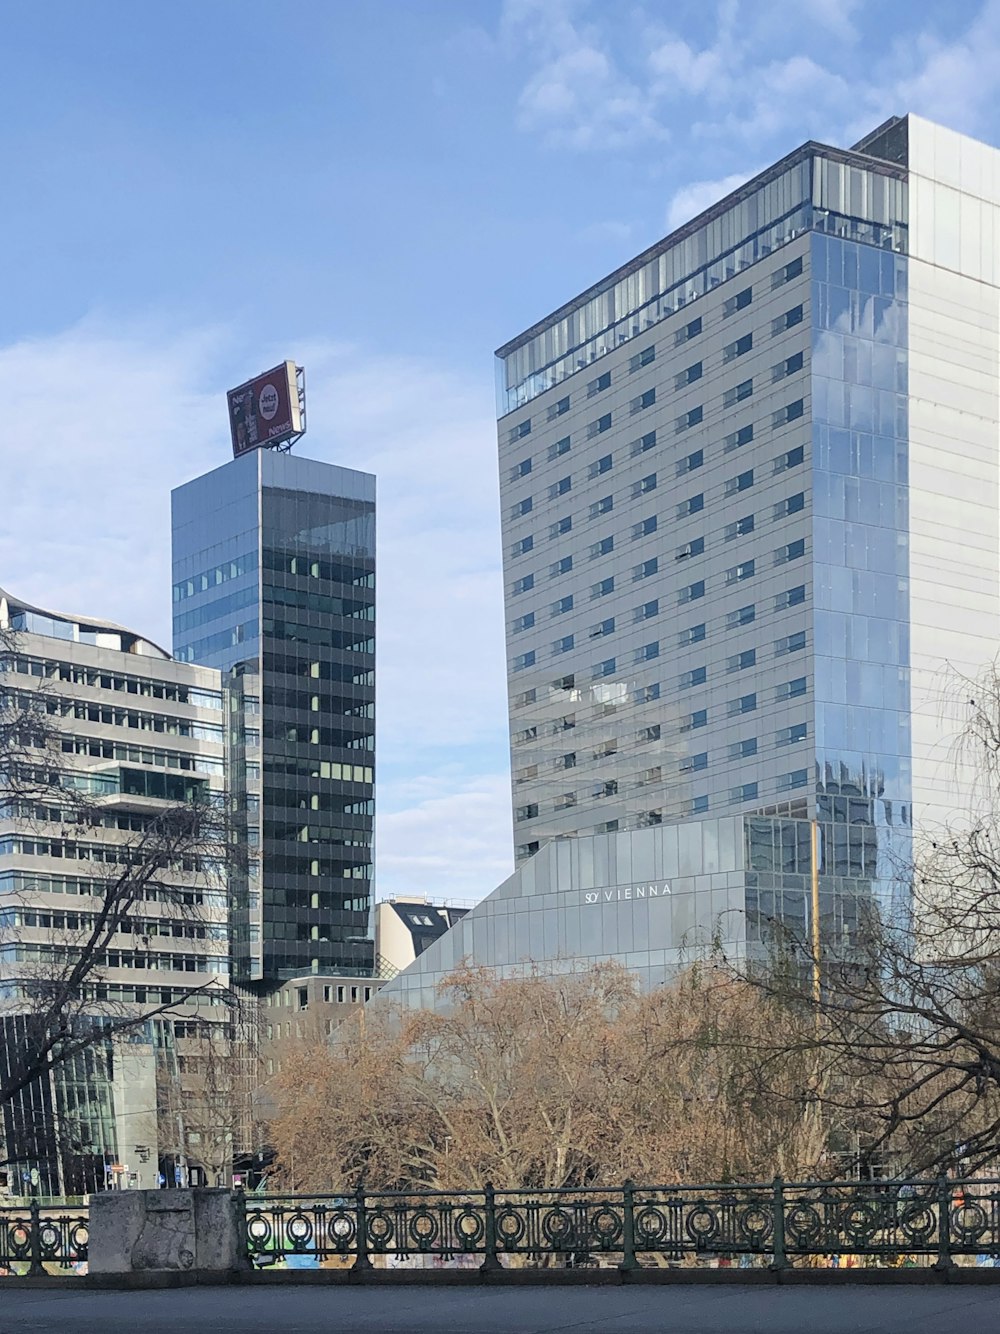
274	583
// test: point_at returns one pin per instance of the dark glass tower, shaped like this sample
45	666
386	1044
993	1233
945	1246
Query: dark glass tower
274	583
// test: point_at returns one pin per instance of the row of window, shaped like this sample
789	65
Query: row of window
738	750
103	680
685	334
698	805
789	458
692	417
17	882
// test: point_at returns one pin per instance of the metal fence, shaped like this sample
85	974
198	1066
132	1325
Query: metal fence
42	1239
773	1224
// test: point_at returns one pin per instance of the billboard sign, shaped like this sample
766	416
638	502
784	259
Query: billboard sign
266	410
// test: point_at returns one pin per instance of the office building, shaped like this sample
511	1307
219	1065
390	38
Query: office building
274	573
136	733
749	487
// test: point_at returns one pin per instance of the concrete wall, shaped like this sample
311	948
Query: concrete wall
157	1231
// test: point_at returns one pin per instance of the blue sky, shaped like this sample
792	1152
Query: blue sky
385	191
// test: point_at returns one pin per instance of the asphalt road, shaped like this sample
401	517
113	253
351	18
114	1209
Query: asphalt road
412	1310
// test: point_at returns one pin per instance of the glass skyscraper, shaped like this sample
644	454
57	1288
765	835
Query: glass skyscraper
274	583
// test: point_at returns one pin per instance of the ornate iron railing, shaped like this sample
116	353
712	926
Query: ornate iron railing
38	1239
774	1224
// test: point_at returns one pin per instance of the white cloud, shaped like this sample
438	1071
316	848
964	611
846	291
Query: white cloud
693	199
101	423
452	845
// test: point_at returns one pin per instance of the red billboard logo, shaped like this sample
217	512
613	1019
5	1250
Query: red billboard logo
266	410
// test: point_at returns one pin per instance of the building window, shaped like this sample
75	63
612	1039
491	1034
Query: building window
696	676
527	812
603	587
791	459
521	508
788	736
693	505
691	462
647	611
648	441
737	439
689	331
739	662
738	302
742	704
788	414
560	488
742	750
647	734
564	682
341	991
561	526
694	763
528	849
559	448
737	573
688	376
738	529
744	792
603	506
791	597
786	274
695	720
694	634
524	660
743	482
643	358
643	487
733	350
692	592
797	778
790	643
522	547
562	605
787	321
600	466
520	469
737	393
563	645
524	584
524	622
699	805
607	788
561	566
605	668
693	417
790	689
645	527
791	551
648	652
525	697
565	801
741	616
645	400
600	425
791	505
602	548
647	568
597	386
558	409
519	431
787	367
695	547
605	627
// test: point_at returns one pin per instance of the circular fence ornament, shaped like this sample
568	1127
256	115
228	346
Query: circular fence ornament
380	1229
803	1224
606	1225
702	1223
469	1227
557	1227
755	1223
918	1223
423	1228
650	1225
510	1227
968	1222
859	1223
299	1230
